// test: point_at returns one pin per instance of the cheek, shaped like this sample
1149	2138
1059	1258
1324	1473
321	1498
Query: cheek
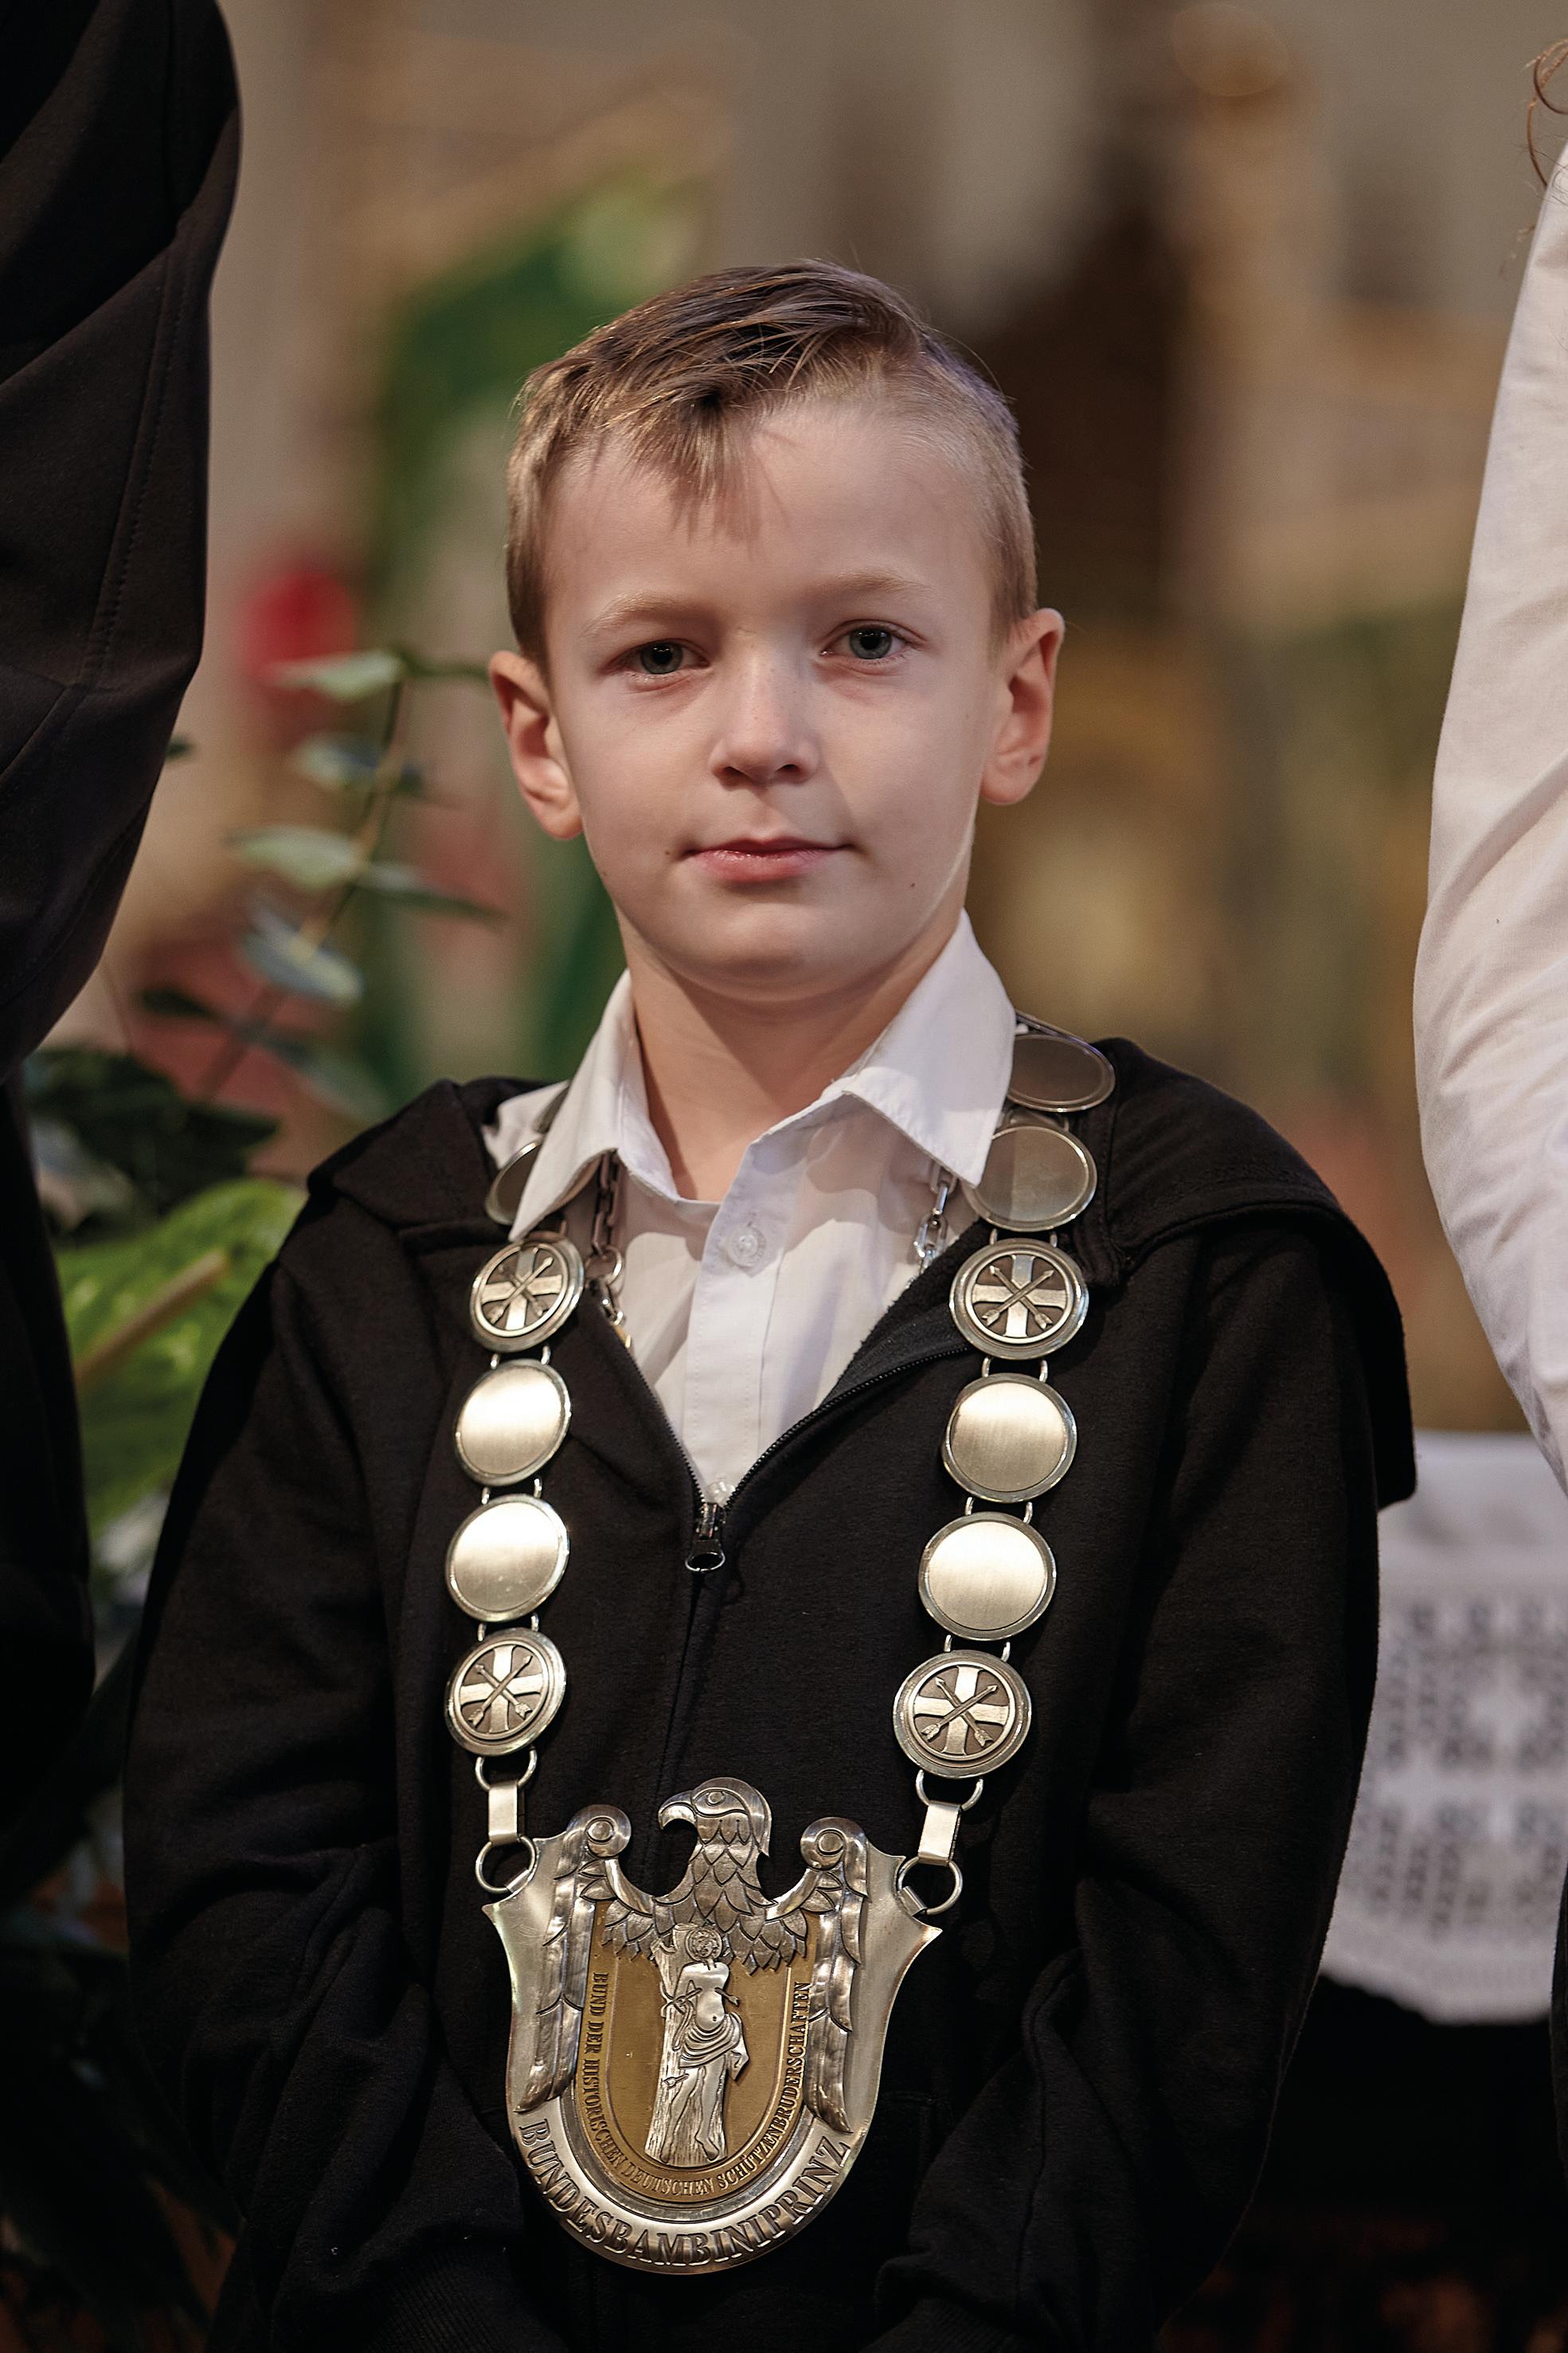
625	779
625	832
913	776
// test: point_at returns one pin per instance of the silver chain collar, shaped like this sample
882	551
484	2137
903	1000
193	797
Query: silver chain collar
1019	1297
809	1976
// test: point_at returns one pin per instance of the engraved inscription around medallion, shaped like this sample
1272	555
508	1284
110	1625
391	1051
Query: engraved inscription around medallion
683	2083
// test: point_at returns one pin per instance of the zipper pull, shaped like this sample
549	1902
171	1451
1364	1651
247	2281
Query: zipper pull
707	1551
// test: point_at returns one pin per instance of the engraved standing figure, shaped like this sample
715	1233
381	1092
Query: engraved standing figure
578	1923
704	2048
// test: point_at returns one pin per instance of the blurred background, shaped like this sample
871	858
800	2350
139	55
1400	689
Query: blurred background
1246	274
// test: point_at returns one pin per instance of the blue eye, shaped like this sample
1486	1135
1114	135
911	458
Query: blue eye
661	660
869	644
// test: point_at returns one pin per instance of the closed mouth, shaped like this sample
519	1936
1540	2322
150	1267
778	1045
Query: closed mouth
776	845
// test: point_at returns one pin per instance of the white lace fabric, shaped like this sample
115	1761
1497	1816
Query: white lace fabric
1450	1896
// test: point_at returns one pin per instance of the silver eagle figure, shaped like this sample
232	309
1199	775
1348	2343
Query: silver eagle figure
719	1890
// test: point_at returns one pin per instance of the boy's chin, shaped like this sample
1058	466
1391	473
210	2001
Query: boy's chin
763	952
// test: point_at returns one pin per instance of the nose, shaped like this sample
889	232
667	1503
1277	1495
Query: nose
764	735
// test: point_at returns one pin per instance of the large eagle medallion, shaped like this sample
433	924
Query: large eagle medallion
691	2075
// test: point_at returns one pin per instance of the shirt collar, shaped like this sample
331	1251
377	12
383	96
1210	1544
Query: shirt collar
939	1071
604	1109
938	1074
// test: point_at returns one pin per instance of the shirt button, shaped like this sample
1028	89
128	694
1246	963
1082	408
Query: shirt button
745	1245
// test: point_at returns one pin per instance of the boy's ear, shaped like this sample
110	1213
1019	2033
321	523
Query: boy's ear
533	739
1022	735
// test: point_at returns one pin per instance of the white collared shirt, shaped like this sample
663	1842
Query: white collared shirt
742	1312
1491	991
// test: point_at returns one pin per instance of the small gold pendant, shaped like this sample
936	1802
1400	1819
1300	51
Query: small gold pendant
692	2076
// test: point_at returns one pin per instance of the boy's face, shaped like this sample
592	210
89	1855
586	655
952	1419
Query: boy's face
773	716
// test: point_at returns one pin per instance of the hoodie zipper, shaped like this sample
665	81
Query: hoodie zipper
706	1551
711	1517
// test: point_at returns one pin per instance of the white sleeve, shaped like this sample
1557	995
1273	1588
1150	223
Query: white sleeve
1491	984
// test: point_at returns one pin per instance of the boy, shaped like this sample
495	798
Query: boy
771	578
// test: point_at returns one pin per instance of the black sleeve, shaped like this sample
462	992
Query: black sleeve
118	138
273	1985
45	1629
1095	2180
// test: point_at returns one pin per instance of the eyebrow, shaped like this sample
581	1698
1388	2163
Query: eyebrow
850	587
626	610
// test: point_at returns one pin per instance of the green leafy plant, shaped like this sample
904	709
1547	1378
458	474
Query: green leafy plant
117	1145
145	1316
322	871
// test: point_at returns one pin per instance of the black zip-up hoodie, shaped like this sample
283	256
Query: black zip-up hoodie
1080	2074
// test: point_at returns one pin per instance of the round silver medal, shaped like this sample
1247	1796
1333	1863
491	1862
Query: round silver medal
507	1558
1016	1299
1035	1178
510	1423
504	1694
1054	1073
961	1714
505	1195
1008	1438
523	1294
986	1576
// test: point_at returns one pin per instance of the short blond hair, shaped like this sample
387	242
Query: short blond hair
673	381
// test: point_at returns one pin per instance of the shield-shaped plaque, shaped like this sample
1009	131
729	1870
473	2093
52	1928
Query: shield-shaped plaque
692	2076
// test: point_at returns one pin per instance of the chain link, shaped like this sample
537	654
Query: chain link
910	1899
928	1236
604	1265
